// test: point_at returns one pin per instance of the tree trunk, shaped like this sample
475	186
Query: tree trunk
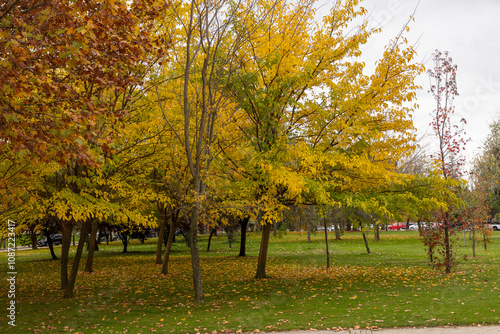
275	229
212	232
66	244
326	243
376	232
473	241
337	231
431	248
264	244
365	240
92	245
34	244
243	241
447	248
51	245
195	257
124	237
308	234
161	235
170	240
68	292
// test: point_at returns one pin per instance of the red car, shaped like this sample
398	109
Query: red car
396	226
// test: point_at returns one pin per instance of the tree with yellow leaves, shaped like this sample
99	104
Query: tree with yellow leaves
317	129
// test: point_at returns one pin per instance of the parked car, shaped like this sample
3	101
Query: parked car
495	226
413	227
56	240
396	226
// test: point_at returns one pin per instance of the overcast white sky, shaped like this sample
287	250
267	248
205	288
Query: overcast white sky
469	31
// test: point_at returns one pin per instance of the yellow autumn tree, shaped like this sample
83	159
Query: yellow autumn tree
317	128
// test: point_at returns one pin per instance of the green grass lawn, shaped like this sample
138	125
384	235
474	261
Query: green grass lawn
393	286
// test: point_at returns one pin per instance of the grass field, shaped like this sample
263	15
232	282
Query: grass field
393	286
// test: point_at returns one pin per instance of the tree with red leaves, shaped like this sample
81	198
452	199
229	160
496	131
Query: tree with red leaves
448	160
67	67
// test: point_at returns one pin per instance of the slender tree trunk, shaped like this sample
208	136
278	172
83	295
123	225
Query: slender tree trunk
275	229
195	257
161	235
51	245
92	245
447	248
365	240
66	244
264	244
484	242
68	292
243	242
308	234
170	240
326	243
473	241
212	233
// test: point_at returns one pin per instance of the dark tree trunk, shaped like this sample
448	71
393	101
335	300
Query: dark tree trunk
473	240
161	235
51	245
92	245
326	243
243	242
365	240
33	240
170	240
212	233
68	292
264	244
124	238
66	244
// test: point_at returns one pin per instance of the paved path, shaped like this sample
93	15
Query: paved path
430	330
